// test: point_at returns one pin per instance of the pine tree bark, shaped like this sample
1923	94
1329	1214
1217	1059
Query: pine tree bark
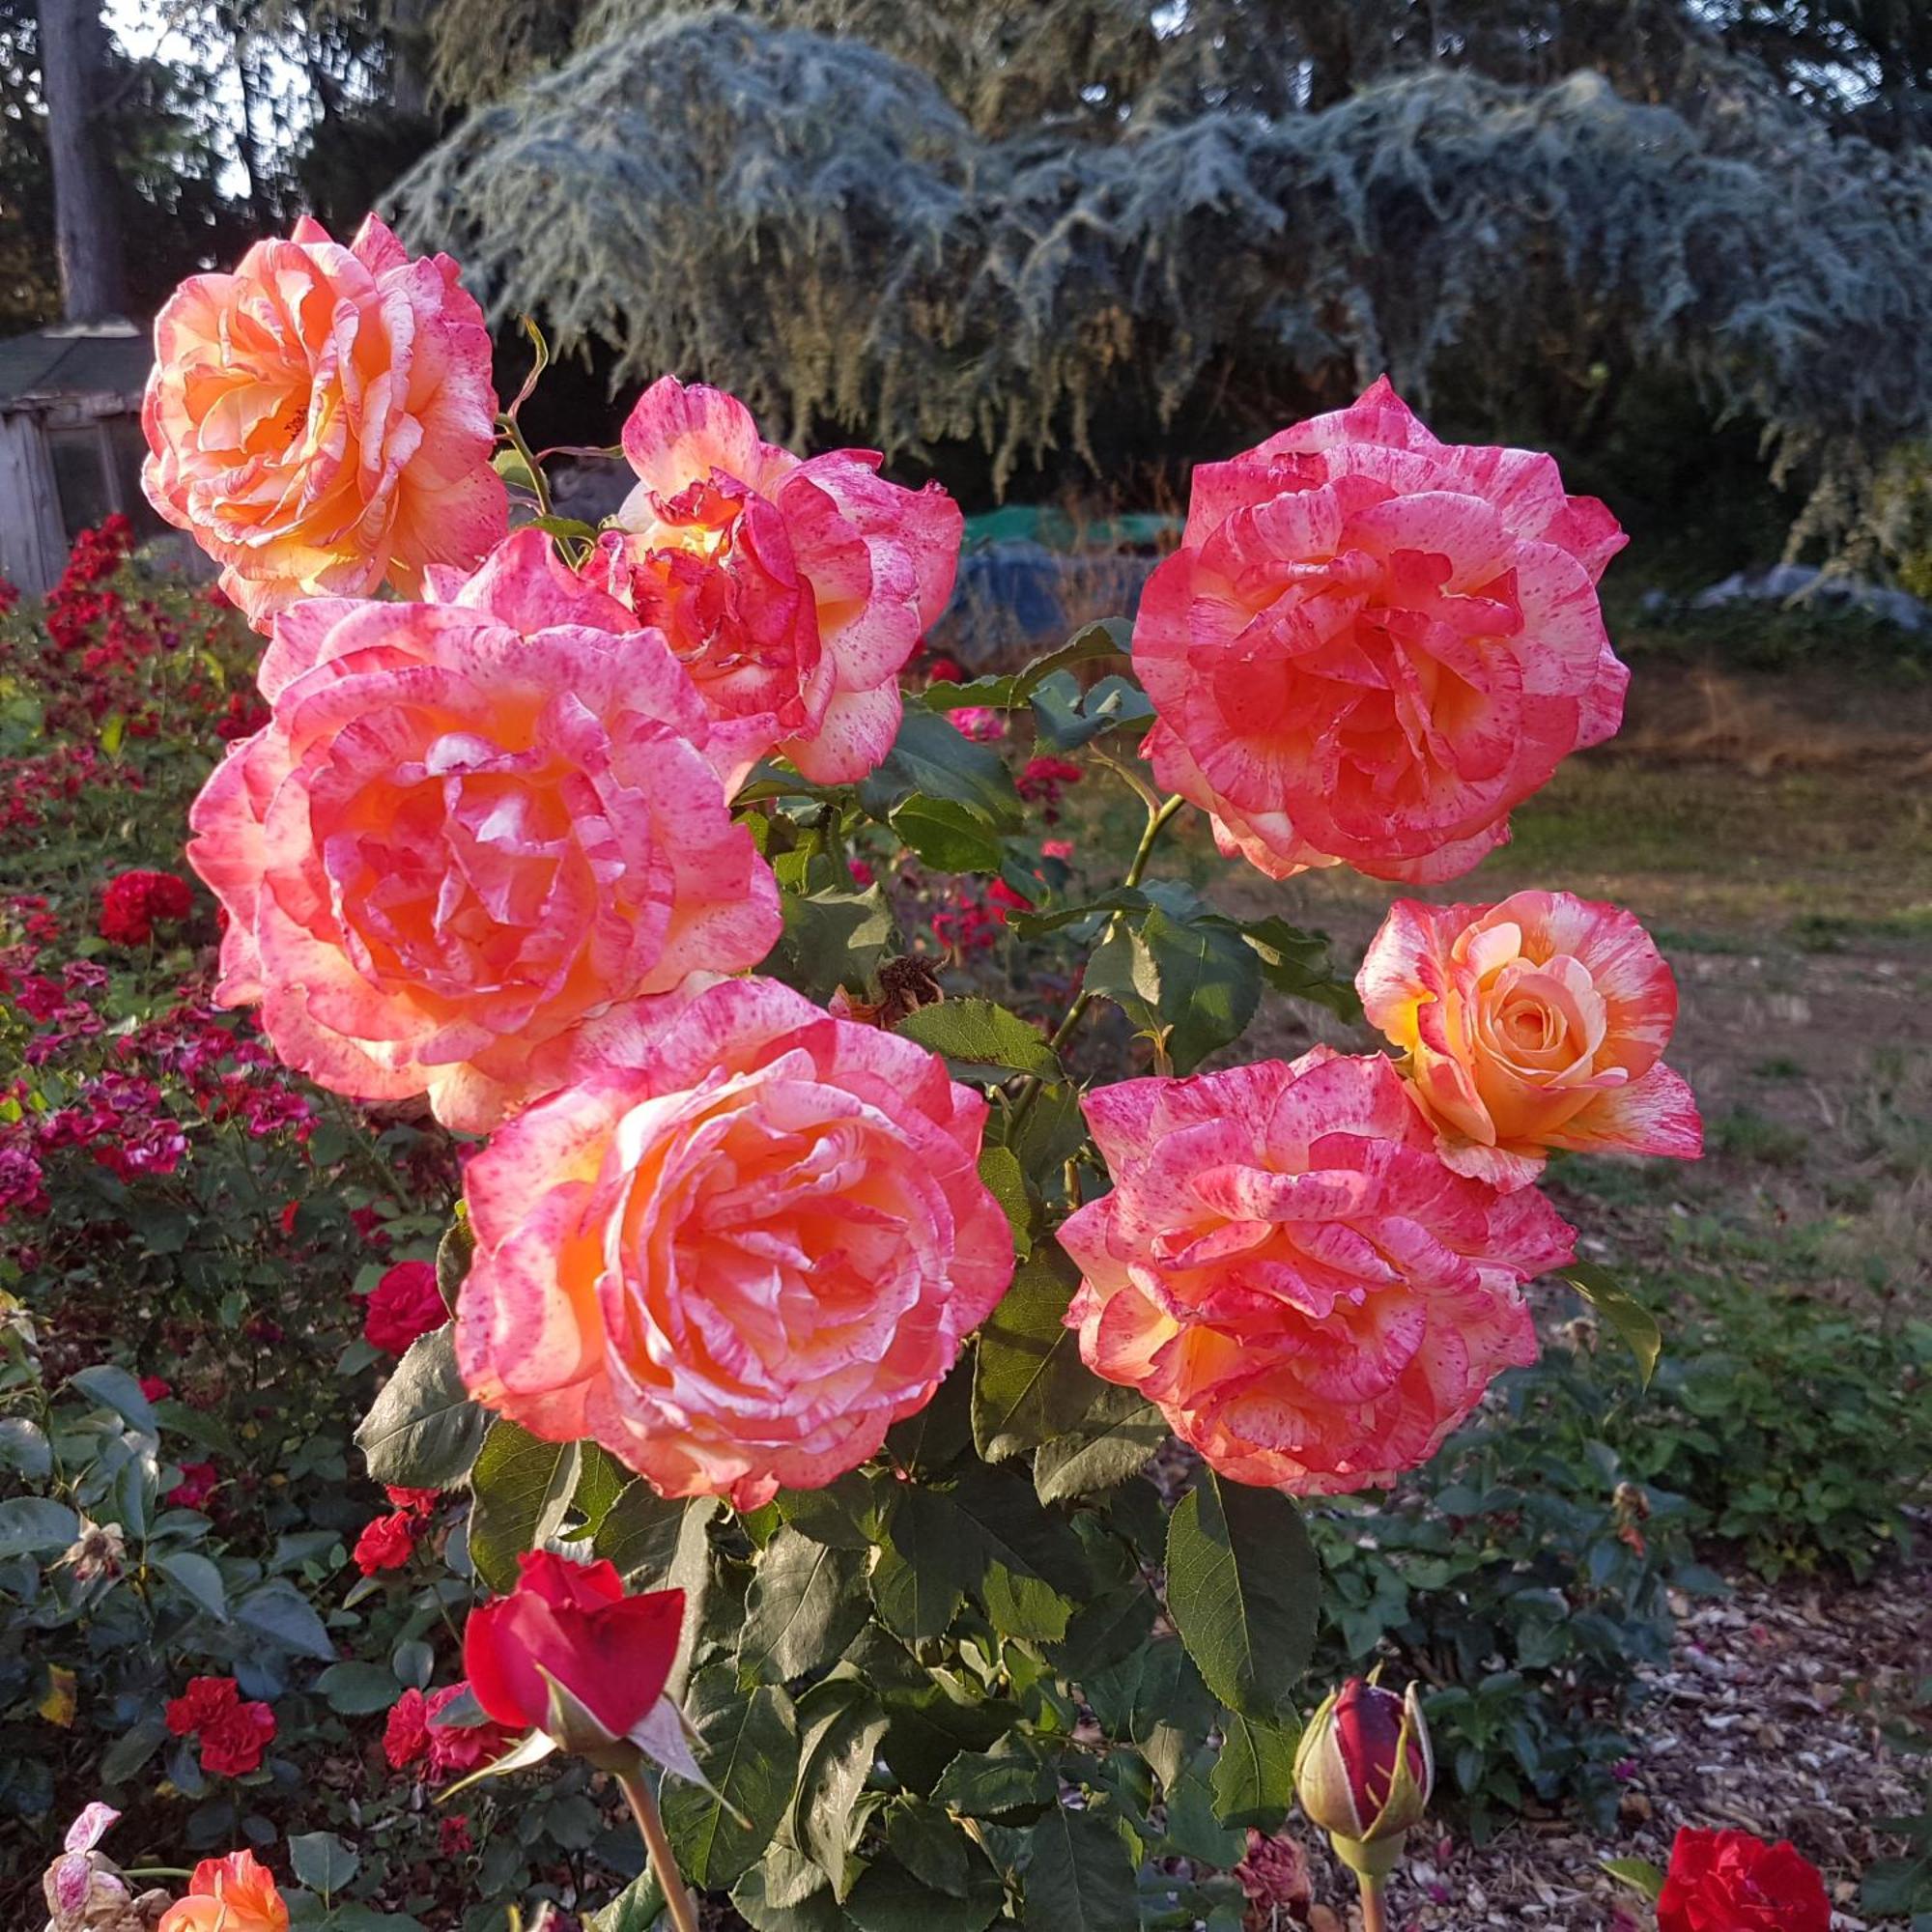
87	225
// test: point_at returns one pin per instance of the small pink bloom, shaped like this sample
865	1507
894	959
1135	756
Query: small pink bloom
405	1303
1538	1023
1289	1270
792	591
1372	645
980	722
475	835
738	1257
321	420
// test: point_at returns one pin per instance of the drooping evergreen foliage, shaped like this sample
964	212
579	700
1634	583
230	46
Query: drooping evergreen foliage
1091	222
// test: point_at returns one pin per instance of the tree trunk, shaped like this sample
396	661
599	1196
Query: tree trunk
87	224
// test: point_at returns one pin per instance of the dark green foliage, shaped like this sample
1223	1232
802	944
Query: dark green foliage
813	223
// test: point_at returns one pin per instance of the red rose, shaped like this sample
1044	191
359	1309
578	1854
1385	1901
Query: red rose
199	1481
611	1652
407	1303
155	1389
1730	1882
233	1744
406	1735
131	905
204	1699
455	1749
386	1542
453	1838
417	1502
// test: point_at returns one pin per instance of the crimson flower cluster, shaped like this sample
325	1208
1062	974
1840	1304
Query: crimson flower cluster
232	1734
417	1734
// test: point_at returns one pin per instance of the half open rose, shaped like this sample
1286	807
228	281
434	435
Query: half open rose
1372	645
321	420
472	836
736	1254
1538	1023
793	590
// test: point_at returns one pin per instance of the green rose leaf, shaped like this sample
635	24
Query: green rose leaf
748	1748
841	1725
1109	1441
423	1431
1080	1876
1254	1776
932	758
807	1602
524	1488
1191	985
1243	1587
1628	1316
981	1039
1029	1382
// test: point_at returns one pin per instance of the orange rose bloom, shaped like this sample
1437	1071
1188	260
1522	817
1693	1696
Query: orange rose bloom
231	1895
321	421
1538	1023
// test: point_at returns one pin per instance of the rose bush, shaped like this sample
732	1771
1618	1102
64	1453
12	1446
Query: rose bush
800	1283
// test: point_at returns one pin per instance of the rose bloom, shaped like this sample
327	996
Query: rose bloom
386	1543
738	1256
1371	645
474	834
404	1304
793	591
231	1895
1287	1269
1730	1882
322	420
572	1625
133	903
1534	1024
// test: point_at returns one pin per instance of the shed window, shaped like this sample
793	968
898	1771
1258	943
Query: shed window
97	471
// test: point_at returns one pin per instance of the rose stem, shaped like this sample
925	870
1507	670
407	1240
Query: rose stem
1373	1919
671	1881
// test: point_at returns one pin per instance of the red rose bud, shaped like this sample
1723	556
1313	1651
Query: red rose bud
1363	1773
567	1653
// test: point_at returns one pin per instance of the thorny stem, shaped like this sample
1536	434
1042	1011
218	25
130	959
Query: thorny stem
671	1881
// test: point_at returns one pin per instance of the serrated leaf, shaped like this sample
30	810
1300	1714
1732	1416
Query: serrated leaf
840	1725
831	939
1029	1382
1627	1316
1079	1877
980	1038
1066	717
1031	1568
132	1750
1111	1441
357	1689
116	1389
748	1751
1191	985
889	1898
198	1578
423	1431
1009	1781
36	1526
637	1908
322	1861
814	1911
1001	1176
453	1255
933	758
926	1562
844	1513
1254	1774
946	837
24	1449
1298	963
601	1479
523	1488
807	1603
277	1611
1243	1587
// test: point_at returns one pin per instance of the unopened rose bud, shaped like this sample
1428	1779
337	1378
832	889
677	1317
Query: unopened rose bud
1364	1772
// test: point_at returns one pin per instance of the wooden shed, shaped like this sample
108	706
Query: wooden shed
70	442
